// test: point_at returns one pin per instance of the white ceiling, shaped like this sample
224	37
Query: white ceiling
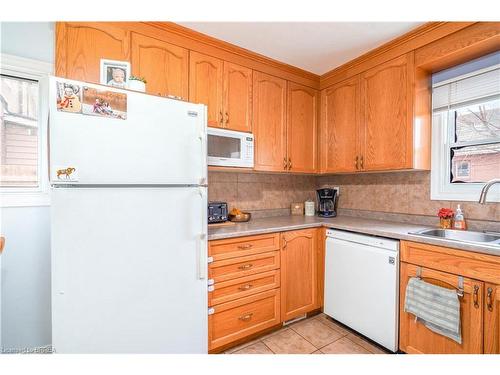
316	47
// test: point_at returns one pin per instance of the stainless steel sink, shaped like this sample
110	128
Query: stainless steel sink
461	236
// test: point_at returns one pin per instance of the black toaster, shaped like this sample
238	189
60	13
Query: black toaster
217	212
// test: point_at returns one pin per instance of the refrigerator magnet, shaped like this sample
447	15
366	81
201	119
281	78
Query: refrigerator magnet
69	97
104	103
65	174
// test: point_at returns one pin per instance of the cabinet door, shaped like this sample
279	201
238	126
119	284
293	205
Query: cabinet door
340	127
414	337
205	85
387	115
492	319
298	273
80	46
164	65
237	97
302	128
269	122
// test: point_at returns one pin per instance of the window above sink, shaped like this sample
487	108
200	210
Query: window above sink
466	134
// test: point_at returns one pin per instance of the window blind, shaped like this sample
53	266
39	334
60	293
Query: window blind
466	89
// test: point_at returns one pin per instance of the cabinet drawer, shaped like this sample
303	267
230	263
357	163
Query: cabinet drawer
466	263
244	286
237	319
229	269
241	246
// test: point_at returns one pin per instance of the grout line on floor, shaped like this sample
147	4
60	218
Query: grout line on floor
268	347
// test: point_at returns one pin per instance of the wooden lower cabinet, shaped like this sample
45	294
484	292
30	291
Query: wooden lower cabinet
479	307
235	320
298	273
417	338
244	286
257	282
491	319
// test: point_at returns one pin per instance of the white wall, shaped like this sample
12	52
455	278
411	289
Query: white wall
26	258
33	40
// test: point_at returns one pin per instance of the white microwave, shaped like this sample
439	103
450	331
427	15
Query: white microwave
228	148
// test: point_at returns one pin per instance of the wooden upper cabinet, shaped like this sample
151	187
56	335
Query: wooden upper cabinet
269	122
387	115
302	128
205	85
340	127
491	319
416	338
298	273
237	101
80	46
165	66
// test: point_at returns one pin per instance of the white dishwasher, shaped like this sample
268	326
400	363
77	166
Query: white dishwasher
362	283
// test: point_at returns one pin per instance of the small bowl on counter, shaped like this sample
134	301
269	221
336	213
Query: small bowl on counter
240	218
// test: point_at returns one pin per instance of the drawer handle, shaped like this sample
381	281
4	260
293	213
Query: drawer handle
245	287
246	266
245	247
476	296
246	317
489	299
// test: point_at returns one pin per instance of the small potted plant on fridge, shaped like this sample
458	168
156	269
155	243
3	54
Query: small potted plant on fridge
445	218
137	83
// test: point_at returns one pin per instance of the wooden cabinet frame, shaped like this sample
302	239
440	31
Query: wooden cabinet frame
446	264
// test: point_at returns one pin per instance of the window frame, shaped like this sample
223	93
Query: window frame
442	134
21	67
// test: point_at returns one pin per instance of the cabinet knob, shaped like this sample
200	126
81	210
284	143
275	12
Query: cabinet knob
227	118
245	247
289	163
489	299
356	162
284	164
476	296
245	287
245	266
221	119
362	166
246	317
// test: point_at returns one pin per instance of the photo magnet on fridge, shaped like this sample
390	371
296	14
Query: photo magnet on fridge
104	103
69	97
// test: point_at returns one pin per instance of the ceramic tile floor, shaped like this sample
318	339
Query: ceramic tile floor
315	335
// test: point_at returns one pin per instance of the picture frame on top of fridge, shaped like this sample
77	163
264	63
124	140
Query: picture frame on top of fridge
115	73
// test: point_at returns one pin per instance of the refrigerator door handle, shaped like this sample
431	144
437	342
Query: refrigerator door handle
204	154
202	243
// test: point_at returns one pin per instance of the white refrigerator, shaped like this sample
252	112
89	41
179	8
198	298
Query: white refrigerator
128	221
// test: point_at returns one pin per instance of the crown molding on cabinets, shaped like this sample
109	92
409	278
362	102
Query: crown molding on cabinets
412	40
208	45
464	45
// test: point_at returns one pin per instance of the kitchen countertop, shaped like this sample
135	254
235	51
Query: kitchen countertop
374	227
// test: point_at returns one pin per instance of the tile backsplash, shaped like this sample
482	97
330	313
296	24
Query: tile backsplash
395	193
399	192
260	192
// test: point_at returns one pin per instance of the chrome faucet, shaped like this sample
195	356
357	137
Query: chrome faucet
486	187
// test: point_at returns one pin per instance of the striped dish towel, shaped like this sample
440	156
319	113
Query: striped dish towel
436	307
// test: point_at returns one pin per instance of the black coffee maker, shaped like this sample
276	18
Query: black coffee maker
327	202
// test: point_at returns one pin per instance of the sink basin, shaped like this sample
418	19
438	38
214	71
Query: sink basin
461	236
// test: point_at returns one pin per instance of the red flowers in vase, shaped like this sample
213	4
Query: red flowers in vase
446	213
445	217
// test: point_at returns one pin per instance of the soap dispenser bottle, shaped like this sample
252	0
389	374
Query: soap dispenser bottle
459	222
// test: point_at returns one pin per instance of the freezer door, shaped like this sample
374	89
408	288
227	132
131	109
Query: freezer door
129	270
161	141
